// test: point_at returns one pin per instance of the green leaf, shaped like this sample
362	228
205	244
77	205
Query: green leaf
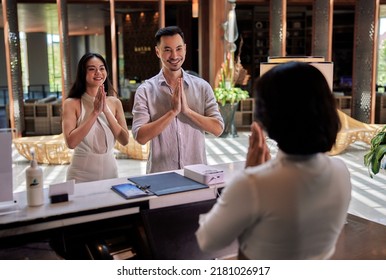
230	95
377	158
373	158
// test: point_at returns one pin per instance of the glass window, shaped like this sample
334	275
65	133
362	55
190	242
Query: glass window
381	73
54	66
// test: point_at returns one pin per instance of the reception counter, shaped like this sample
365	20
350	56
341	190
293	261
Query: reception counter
97	223
94	206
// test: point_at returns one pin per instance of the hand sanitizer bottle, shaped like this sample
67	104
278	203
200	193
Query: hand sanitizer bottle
34	181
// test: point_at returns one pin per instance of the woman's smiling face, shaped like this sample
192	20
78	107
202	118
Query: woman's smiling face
95	72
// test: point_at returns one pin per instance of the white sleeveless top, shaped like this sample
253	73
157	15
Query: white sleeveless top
93	158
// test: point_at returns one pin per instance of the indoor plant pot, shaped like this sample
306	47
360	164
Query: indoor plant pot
228	100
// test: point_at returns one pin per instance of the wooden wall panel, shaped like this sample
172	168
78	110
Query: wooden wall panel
138	45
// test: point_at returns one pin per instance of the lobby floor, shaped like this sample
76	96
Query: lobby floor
368	195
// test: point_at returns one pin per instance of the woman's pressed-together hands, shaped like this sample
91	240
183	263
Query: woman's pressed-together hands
100	104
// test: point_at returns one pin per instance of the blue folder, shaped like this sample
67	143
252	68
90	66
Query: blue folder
166	183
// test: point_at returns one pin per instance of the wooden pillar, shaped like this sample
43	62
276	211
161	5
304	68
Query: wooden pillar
203	40
216	37
113	37
277	27
365	59
322	15
161	18
13	60
64	46
161	11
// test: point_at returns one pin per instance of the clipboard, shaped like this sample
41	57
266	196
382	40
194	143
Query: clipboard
166	183
129	190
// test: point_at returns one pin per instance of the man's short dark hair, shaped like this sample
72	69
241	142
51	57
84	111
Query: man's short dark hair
296	107
168	31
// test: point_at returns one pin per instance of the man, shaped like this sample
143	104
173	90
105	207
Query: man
174	109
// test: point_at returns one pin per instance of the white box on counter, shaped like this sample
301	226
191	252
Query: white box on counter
204	174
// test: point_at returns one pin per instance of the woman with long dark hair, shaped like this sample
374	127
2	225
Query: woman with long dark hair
93	119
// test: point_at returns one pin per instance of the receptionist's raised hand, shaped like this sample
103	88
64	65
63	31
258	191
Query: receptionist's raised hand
258	151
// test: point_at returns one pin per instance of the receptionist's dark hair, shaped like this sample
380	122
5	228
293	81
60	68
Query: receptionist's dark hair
295	106
168	31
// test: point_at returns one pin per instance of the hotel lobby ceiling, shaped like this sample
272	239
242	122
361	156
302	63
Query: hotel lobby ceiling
83	18
91	17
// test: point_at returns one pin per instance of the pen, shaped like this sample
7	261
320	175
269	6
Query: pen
144	188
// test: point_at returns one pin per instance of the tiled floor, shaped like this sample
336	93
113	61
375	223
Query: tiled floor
368	196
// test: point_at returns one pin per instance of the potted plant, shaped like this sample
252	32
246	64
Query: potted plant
231	95
377	151
228	95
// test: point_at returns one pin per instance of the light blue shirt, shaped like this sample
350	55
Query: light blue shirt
182	142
